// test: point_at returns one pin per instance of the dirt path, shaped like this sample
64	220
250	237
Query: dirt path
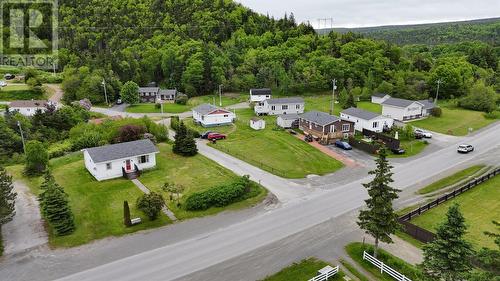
26	230
57	93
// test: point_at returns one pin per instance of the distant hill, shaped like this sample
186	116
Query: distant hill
486	30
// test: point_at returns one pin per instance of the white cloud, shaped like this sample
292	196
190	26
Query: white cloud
352	13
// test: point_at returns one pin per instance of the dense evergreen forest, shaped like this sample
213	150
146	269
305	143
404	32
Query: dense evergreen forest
485	30
196	45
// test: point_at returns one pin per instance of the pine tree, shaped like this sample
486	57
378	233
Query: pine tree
190	148
380	220
7	198
55	207
448	256
350	101
179	138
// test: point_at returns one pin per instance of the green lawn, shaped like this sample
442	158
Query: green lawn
479	206
322	103
196	173
454	121
151	108
274	150
355	251
451	180
412	148
19	92
227	100
97	206
302	271
226	129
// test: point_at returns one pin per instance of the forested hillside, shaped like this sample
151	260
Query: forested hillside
196	45
485	30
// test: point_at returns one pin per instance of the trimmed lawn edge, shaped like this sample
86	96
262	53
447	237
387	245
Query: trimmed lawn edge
451	180
353	270
306	268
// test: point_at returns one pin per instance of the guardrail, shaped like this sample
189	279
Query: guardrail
384	268
326	275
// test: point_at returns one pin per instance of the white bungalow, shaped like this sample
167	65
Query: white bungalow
401	109
288	121
28	107
126	159
366	120
260	95
257	123
208	115
294	105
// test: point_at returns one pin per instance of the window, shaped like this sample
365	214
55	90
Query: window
346	127
284	107
297	106
273	107
108	166
375	125
144	159
226	115
332	129
310	126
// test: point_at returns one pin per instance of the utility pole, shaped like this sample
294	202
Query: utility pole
220	94
22	136
334	86
103	83
437	91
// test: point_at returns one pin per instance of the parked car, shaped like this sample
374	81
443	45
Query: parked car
3	83
342	144
216	136
308	138
119	101
418	135
9	76
398	151
465	148
205	135
423	133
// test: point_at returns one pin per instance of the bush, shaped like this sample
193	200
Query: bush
480	98
151	204
58	149
181	99
130	133
219	196
492	115
37	158
437	112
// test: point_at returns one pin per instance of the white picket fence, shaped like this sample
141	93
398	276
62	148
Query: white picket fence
384	268
326	275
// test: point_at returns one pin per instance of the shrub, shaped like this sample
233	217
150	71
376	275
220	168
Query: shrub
151	204
130	133
492	115
88	139
480	97
37	158
58	149
157	105
219	196
181	99
437	112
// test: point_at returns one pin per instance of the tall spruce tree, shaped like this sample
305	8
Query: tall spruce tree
379	219
55	207
448	257
7	198
350	102
184	143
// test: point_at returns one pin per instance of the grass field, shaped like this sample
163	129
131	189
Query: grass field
302	271
18	92
454	121
97	206
227	100
479	206
355	251
274	150
196	174
412	148
151	108
451	180
322	103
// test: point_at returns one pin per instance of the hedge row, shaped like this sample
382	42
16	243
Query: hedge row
218	196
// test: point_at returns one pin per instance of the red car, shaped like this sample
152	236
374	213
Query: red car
216	136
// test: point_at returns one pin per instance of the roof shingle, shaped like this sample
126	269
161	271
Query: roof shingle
398	102
286	100
121	150
320	118
360	113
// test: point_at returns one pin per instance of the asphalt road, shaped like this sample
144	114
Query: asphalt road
195	254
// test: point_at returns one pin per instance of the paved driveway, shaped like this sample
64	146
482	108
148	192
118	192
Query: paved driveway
360	157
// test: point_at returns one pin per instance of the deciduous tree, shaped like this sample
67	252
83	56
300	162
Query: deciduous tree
130	93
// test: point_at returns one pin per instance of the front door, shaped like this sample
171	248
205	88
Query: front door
128	165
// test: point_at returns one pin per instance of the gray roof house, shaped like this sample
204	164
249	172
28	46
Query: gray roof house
167	94
319	118
204	108
208	115
402	110
367	120
121	159
325	127
378	98
360	113
280	106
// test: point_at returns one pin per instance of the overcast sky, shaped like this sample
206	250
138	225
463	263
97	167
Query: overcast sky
355	13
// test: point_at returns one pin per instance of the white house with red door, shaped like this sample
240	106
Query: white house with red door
208	115
125	159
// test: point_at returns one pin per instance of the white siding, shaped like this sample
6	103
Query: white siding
27	111
210	120
259	98
379	100
398	113
375	124
278	109
258	125
101	172
284	123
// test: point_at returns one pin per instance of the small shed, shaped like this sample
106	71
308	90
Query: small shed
257	123
288	121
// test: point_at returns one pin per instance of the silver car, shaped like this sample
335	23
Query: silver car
465	148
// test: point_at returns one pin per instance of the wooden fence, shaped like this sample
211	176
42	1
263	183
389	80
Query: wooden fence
384	268
424	235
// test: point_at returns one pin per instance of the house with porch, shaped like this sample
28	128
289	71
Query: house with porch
401	109
260	95
294	105
125	159
208	115
325	127
155	94
366	120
